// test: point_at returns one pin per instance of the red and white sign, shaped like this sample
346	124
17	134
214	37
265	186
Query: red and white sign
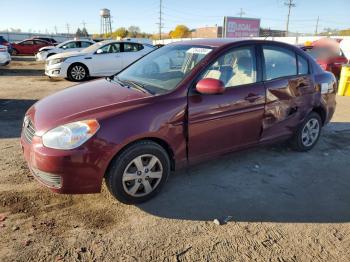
241	27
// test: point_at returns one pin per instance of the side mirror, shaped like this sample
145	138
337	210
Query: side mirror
99	51
210	86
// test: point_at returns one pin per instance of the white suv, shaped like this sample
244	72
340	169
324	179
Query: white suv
101	59
67	46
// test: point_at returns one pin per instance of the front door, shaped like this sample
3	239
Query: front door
107	60
221	123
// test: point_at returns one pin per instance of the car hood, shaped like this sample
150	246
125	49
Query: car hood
46	48
95	99
67	55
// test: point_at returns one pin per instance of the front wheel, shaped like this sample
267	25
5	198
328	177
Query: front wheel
138	173
308	133
77	73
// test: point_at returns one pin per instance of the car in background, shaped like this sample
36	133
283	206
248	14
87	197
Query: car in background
67	46
47	39
101	59
329	57
4	42
132	129
5	57
28	46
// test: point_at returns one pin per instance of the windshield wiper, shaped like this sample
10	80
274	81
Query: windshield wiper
138	86
117	80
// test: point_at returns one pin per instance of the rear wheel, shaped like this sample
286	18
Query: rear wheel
138	173
78	72
308	133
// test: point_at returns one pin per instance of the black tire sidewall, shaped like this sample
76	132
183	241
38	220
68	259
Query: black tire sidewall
115	174
69	72
298	144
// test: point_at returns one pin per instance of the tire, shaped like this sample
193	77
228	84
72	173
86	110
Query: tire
305	137
14	52
78	72
130	184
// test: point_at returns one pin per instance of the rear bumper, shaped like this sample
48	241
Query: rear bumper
78	171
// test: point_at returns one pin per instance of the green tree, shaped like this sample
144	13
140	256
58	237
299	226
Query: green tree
84	32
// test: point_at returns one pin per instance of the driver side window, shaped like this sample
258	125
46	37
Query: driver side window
236	67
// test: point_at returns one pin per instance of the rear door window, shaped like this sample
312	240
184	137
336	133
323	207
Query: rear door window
279	62
303	66
131	47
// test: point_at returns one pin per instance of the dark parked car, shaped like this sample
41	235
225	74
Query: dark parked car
4	42
28	46
134	128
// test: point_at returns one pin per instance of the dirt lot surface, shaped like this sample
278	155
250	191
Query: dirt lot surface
285	206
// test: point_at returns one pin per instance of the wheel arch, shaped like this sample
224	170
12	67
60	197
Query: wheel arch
156	140
322	113
79	63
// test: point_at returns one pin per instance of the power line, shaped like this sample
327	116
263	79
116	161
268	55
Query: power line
160	24
241	13
290	4
67	26
316	29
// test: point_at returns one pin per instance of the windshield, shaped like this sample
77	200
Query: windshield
93	47
162	70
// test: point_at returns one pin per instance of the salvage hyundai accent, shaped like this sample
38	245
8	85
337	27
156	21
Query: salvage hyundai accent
183	103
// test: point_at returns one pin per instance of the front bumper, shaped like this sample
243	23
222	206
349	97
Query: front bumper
78	171
56	70
41	56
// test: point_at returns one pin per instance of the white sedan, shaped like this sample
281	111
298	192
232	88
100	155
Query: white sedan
67	46
5	57
101	59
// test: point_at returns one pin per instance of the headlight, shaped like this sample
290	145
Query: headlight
57	61
70	136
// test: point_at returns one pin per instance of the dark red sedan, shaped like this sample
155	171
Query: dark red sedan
28	47
183	103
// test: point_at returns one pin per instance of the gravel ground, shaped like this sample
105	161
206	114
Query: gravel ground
285	206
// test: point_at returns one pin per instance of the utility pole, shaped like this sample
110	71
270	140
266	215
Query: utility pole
160	24
241	13
316	29
55	29
290	4
67	26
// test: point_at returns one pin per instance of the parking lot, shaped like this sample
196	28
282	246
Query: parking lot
285	206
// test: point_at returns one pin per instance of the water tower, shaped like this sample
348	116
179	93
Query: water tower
106	24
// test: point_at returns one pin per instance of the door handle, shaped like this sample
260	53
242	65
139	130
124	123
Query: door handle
252	98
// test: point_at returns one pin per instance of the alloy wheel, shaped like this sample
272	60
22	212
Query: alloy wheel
78	72
142	175
310	132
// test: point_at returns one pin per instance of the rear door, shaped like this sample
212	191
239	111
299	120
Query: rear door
289	90
221	123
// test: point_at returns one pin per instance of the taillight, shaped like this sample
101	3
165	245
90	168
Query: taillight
3	49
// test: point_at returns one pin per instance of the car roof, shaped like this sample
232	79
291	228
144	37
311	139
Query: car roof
212	42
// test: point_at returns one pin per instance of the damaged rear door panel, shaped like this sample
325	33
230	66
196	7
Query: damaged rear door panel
290	92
